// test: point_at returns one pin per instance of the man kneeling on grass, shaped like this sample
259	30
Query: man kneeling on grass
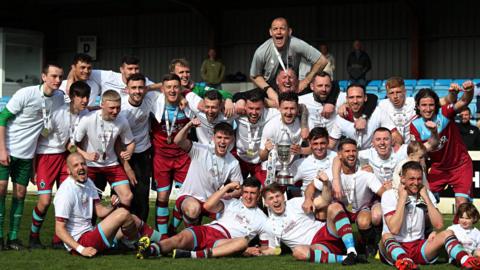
240	220
404	213
75	201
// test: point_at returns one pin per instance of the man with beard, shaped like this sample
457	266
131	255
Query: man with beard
26	117
307	169
51	154
470	133
403	244
450	162
359	188
75	202
349	126
211	167
136	109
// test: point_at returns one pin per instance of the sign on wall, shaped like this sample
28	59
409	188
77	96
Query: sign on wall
87	45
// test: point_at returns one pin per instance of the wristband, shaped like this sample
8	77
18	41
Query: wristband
266	88
80	249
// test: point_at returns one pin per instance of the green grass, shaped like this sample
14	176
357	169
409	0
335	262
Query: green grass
57	259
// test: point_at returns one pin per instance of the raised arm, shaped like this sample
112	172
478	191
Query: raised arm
466	98
182	136
317	66
395	221
432	142
214	203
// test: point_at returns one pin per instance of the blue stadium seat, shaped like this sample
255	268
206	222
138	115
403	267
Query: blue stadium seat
441	85
476	81
381	95
423	83
441	92
97	101
373	86
460	81
5	99
383	87
409	90
443	82
410	83
473	108
343	84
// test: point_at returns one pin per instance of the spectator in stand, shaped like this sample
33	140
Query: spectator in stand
212	70
358	64
470	133
330	68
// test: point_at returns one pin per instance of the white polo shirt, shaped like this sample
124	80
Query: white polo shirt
315	119
413	226
241	221
23	130
101	135
401	117
347	128
382	168
139	121
208	172
249	135
76	204
359	189
63	123
306	169
293	227
110	80
273	130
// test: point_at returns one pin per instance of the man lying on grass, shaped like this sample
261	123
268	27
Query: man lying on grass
75	201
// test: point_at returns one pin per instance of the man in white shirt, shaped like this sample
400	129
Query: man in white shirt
347	126
211	167
307	169
249	132
320	112
240	220
288	122
136	109
96	136
210	116
80	70
111	80
75	202
310	239
403	243
51	153
359	190
26	116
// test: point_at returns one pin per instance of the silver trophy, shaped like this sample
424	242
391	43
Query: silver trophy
284	177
